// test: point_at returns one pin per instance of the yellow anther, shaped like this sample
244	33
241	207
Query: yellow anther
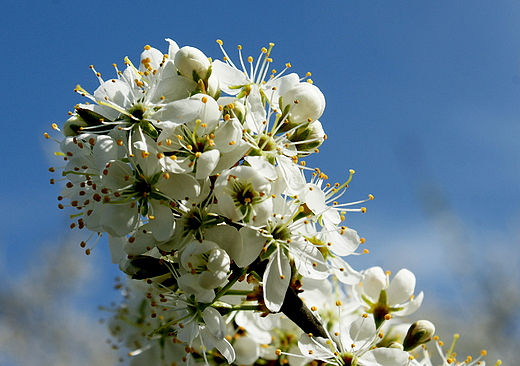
370	197
220	42
250	59
145	154
46	135
147	47
366	251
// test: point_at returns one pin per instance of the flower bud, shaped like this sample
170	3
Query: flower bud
396	345
419	333
73	125
311	136
192	63
304	102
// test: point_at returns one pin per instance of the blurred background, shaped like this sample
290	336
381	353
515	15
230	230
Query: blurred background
423	101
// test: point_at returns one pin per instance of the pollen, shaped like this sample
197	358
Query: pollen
147	47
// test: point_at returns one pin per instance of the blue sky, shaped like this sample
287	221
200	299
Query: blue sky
423	101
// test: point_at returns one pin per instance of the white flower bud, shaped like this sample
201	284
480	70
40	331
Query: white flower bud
73	124
306	102
192	63
419	333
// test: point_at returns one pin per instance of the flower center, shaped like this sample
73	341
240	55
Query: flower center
143	188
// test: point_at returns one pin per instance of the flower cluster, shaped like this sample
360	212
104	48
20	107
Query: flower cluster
193	169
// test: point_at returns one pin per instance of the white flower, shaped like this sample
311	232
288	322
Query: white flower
381	296
242	193
283	245
234	80
449	357
207	266
195	322
132	323
354	346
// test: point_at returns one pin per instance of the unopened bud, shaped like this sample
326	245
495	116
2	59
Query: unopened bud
73	125
396	345
419	333
306	102
192	63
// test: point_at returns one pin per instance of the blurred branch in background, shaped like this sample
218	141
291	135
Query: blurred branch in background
40	323
482	301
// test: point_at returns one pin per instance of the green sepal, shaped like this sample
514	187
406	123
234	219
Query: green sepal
270	250
90	117
149	129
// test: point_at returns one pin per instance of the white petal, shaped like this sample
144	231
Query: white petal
116	245
179	111
214	322
120	218
344	272
228	76
253	242
276	280
360	332
412	306
228	238
206	163
247	351
401	287
172	49
309	261
224	347
263	167
163	224
317	345
228	135
179	186
384	357
153	58
143	241
118	175
373	282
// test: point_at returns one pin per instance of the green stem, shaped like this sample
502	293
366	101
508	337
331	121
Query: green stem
224	290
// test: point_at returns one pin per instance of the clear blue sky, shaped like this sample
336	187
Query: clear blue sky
423	101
